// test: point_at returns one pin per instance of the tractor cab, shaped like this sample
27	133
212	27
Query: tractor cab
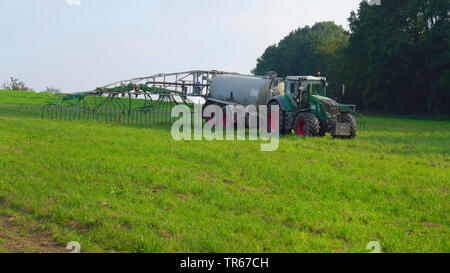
301	88
315	85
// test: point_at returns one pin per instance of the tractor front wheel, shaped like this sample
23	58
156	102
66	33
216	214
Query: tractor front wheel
306	125
350	119
323	128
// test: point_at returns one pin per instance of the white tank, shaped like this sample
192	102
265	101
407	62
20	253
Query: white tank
243	90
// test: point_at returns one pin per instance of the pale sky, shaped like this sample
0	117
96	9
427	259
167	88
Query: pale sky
80	47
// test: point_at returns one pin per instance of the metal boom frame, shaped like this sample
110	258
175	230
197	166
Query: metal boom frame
145	100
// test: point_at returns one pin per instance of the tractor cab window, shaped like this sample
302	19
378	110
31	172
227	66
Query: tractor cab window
292	87
315	87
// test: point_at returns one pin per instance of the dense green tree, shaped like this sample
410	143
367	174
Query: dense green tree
305	51
397	55
396	58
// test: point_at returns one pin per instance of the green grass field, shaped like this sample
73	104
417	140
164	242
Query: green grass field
133	189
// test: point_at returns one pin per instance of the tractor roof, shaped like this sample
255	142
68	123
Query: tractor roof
306	78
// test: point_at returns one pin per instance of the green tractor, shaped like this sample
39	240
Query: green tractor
306	109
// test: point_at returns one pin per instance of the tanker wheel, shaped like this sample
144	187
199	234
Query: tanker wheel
306	125
224	118
350	119
281	122
211	118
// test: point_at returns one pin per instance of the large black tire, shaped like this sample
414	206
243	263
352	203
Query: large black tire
208	103
350	119
225	120
323	128
306	125
208	119
282	121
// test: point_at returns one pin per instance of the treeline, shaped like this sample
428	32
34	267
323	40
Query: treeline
15	84
18	85
395	59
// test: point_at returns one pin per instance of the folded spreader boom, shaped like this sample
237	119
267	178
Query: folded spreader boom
147	100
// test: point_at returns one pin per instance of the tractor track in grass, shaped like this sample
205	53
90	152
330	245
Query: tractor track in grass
29	238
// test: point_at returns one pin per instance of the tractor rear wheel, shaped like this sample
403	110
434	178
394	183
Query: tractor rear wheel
350	119
280	126
306	125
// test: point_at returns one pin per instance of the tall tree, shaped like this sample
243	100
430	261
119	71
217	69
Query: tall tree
304	51
399	55
396	58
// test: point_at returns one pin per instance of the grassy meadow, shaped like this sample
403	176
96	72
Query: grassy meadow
133	189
